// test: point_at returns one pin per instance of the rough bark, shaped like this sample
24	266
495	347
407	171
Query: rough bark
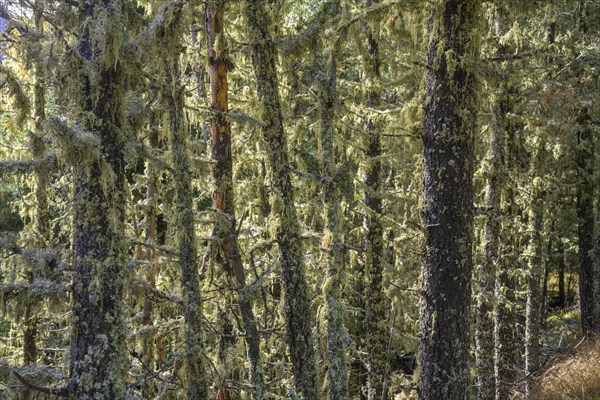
596	271
333	236
585	203
374	323
98	361
298	315
148	351
484	327
196	382
534	268
505	349
562	298
227	253
447	213
41	193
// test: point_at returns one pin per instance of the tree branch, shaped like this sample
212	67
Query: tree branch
61	392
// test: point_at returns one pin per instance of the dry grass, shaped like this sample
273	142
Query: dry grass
574	378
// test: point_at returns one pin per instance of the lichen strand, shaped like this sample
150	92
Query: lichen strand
172	96
448	146
298	315
98	356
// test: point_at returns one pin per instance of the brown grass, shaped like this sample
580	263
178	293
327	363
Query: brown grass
576	377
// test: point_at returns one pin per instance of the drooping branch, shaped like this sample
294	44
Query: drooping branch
21	100
77	146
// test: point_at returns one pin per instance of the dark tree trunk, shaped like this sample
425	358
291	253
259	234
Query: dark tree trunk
447	213
98	356
375	303
505	348
227	253
562	299
534	267
298	316
585	203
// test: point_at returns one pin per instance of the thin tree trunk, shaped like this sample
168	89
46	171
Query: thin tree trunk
374	323
227	252
596	271
298	316
585	203
562	299
447	213
196	382
534	270
484	330
505	348
151	256
42	219
333	237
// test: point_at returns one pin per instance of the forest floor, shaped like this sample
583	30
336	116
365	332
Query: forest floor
571	362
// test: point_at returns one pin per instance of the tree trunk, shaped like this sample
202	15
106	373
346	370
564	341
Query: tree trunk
227	253
151	256
562	298
534	270
42	229
447	213
98	356
374	323
333	236
173	91
298	316
505	348
484	330
585	203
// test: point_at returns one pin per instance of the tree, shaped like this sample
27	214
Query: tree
374	299
98	362
228	252
172	96
297	310
333	232
447	213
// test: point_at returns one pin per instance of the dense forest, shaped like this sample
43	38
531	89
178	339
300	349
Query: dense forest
310	199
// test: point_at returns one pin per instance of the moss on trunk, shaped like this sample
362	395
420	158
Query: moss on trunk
448	137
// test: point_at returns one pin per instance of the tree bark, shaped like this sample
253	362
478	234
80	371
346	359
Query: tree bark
148	353
298	315
447	213
227	253
505	349
98	356
484	329
173	91
534	270
374	323
42	229
585	203
333	236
